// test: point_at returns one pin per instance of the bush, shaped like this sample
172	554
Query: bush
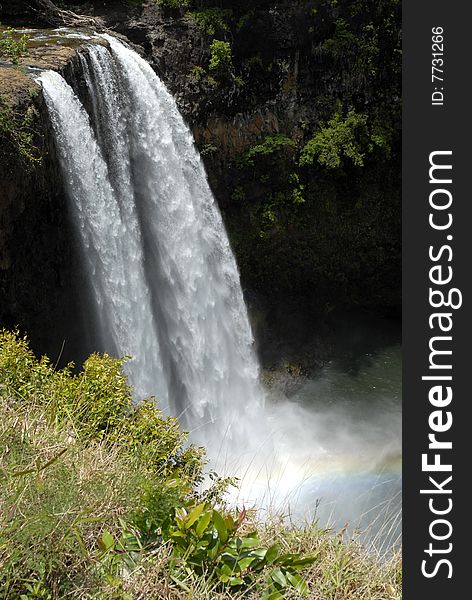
269	146
13	46
341	137
17	131
211	545
97	403
221	60
212	20
181	4
93	485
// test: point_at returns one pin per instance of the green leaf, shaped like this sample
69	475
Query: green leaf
249	542
194	515
260	554
304	561
226	570
279	578
245	563
106	541
298	583
272	554
236	581
220	525
203	523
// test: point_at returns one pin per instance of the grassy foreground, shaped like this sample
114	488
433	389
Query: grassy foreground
99	499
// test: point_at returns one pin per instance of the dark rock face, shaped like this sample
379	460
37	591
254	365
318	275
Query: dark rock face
37	261
41	280
308	239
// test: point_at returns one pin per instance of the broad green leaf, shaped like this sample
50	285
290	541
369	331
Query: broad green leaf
272	554
106	541
279	578
203	523
236	581
226	570
220	525
260	553
245	563
249	542
194	515
287	559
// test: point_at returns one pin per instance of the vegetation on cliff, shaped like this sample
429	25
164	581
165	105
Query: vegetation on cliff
319	216
101	499
11	46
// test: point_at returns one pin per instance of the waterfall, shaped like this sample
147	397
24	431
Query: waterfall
164	281
165	291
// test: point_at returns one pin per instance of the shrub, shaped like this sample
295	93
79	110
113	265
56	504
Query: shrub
13	46
340	138
80	465
17	131
212	20
97	403
270	145
221	60
182	4
211	544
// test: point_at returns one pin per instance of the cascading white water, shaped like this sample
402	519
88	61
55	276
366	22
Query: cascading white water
164	279
166	291
111	245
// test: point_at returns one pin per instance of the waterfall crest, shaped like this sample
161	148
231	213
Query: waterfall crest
165	283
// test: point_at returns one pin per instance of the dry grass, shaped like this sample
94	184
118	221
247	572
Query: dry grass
64	508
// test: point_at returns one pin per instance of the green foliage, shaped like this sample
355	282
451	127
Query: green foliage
208	150
340	138
92	485
12	46
181	4
17	131
210	543
270	145
221	59
350	137
198	72
97	403
212	20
